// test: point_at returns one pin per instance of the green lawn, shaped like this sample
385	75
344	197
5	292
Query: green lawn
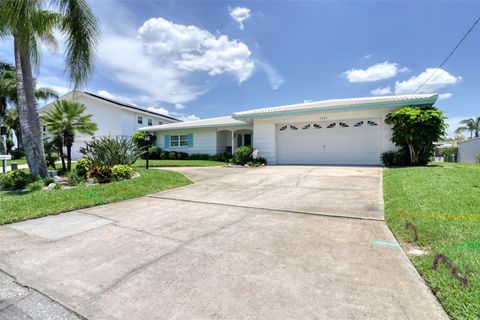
442	201
18	206
18	161
179	163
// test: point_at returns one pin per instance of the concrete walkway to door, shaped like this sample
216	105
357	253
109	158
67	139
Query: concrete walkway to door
241	243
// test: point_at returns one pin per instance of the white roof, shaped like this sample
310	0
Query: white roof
202	123
384	101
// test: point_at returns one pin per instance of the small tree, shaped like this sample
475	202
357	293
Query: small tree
140	138
66	120
415	129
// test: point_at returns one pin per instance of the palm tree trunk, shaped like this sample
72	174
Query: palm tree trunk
28	114
69	157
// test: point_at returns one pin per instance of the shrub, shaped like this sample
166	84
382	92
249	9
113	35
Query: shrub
155	153
243	155
83	166
47	181
394	158
140	139
9	144
103	174
182	156
17	154
35	186
388	158
122	172
108	151
199	156
415	129
74	179
15	179
222	157
172	155
477	158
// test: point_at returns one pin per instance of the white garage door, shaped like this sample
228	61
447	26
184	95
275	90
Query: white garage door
329	142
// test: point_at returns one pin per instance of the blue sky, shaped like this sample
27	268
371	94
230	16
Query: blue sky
206	59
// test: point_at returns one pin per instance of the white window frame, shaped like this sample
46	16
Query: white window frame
150	122
181	141
139	120
160	122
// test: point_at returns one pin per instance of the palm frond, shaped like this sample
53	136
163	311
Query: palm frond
80	26
45	93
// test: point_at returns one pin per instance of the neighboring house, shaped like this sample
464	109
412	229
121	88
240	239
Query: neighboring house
468	150
113	118
343	131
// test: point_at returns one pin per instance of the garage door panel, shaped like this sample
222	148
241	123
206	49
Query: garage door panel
345	142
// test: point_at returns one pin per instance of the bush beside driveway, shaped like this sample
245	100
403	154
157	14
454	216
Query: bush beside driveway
441	204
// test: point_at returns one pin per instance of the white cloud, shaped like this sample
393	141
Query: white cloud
440	79
367	56
105	94
183	117
178	115
443	96
379	71
159	110
240	14
381	91
164	61
275	79
179	106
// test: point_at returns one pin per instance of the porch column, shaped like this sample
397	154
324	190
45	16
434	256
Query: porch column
233	142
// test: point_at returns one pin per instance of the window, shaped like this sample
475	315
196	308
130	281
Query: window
150	122
358	124
140	120
160	123
317	126
306	127
343	124
283	128
179	141
331	125
372	123
293	128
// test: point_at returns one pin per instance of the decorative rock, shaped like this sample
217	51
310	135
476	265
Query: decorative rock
415	252
52	186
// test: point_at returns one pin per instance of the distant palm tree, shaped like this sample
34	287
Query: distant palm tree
471	125
65	121
8	97
32	21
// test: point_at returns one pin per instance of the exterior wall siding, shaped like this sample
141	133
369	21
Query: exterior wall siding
111	121
468	150
204	141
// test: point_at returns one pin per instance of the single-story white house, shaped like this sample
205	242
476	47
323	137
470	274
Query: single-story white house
113	118
342	131
469	150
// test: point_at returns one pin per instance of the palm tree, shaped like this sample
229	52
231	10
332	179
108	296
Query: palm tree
471	125
65	121
7	85
8	97
32	21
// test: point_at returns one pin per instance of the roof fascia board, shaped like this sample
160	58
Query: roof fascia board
393	104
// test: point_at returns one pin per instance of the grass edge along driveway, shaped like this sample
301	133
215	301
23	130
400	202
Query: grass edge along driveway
19	206
441	204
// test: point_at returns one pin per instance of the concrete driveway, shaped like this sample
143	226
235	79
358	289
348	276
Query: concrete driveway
267	243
